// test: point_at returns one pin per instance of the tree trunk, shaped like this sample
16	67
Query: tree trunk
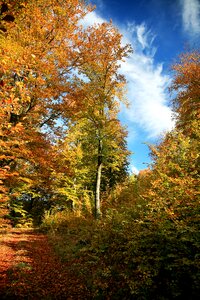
98	182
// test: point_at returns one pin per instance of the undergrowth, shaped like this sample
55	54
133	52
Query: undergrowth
131	253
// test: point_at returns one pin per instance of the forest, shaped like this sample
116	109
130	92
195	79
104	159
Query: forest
74	223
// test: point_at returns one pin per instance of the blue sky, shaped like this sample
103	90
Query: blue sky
158	30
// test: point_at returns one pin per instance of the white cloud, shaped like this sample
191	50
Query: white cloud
146	82
91	19
146	93
191	16
134	170
144	37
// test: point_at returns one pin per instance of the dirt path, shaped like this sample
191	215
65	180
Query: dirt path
29	269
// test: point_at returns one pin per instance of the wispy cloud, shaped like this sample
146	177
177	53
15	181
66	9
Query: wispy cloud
147	85
191	16
139	33
147	95
146	82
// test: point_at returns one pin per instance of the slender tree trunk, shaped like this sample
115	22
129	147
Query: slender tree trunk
98	182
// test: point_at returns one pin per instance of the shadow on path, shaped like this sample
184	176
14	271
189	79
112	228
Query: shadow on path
29	269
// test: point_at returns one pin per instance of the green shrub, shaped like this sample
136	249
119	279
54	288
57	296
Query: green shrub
133	252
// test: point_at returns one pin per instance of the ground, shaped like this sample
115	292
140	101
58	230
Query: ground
30	269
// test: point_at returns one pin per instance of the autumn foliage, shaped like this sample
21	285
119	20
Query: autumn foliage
33	51
64	159
147	244
54	72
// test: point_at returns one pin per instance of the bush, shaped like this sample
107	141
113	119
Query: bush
133	252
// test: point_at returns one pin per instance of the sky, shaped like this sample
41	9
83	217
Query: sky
159	31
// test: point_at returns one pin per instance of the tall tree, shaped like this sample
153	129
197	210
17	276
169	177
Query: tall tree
38	50
103	87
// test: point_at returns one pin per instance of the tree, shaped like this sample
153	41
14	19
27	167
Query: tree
95	135
38	51
103	88
187	84
76	183
175	171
